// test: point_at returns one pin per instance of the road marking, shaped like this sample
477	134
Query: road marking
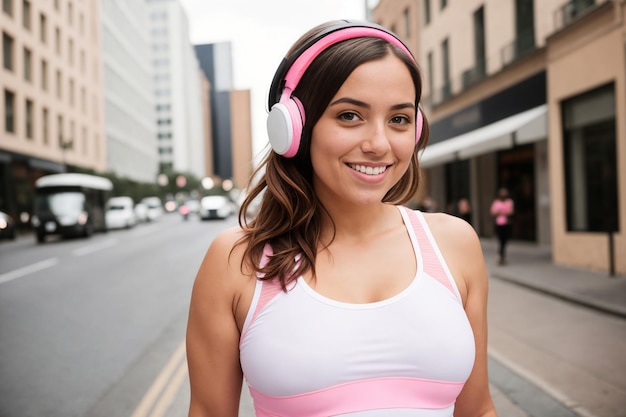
169	394
85	250
161	383
18	273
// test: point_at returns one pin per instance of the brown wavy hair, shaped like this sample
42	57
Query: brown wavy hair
290	216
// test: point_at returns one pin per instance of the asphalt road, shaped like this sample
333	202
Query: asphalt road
95	327
85	324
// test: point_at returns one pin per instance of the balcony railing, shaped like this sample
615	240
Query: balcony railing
473	75
522	45
571	11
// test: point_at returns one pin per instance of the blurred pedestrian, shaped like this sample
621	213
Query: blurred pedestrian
464	209
335	299
502	209
428	205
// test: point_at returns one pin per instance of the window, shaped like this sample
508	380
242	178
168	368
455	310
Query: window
28	119
9	111
590	161
43	28
44	75
81	24
44	126
83	61
479	42
71	92
431	75
58	85
446	90
7	7
26	14
407	22
60	131
427	11
28	65
57	40
443	4
70	51
70	13
56	5
7	51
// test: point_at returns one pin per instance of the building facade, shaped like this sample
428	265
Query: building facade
177	88
230	115
52	94
513	101
132	147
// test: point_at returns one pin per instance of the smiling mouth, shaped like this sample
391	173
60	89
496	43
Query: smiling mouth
368	170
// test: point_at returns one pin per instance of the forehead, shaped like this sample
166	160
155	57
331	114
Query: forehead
386	76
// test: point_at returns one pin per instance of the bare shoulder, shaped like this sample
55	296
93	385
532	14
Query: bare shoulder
461	249
451	230
221	269
223	278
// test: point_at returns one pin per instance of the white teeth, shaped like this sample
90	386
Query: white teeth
368	170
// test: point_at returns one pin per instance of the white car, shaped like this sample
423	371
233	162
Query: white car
155	207
215	207
120	213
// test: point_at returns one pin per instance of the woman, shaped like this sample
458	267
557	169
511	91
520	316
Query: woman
335	299
502	209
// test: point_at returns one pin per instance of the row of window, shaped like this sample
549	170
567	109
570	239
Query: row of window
64	140
8	7
44	71
427	13
8	53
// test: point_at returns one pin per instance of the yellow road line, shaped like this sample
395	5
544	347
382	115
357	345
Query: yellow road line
169	394
152	396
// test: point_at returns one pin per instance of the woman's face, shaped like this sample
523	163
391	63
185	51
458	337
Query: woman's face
363	142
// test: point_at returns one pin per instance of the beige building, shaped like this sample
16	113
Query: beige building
241	134
52	94
525	94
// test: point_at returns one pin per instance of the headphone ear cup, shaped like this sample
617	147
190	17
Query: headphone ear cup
419	125
284	127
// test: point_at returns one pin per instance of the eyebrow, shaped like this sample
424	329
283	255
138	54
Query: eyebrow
367	106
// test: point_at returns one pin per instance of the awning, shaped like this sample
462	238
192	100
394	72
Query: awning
526	127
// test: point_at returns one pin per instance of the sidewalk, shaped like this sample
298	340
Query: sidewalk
531	266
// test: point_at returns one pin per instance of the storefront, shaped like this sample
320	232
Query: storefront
587	144
498	141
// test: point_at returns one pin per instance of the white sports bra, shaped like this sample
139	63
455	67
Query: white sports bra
306	355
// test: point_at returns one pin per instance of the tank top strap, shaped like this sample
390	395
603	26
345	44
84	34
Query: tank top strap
432	259
264	291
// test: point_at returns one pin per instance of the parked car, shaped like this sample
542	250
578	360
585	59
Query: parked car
7	226
120	213
215	207
155	207
141	212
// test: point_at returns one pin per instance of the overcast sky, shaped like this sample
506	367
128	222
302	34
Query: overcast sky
261	32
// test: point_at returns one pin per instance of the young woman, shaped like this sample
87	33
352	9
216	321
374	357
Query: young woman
336	299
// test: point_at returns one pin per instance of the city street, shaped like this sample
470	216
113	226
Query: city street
95	327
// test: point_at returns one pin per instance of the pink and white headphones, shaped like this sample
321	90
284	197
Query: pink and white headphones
287	116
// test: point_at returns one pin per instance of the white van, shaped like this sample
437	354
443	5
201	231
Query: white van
120	213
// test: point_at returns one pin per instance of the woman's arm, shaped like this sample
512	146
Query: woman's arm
461	249
212	333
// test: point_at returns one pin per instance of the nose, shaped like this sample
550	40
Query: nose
377	139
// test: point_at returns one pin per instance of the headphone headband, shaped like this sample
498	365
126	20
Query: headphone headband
287	116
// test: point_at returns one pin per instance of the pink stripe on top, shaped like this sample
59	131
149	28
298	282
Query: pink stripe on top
269	289
432	263
370	394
